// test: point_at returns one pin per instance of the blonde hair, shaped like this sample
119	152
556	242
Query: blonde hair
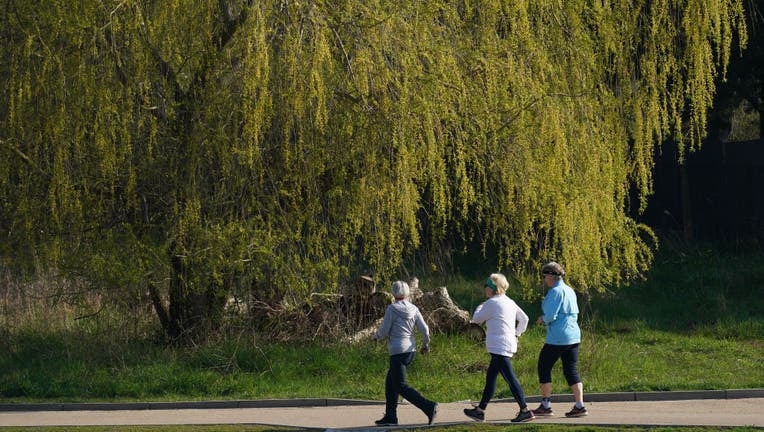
500	281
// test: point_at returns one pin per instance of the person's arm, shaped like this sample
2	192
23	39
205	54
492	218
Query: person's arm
522	321
384	329
481	314
422	326
551	306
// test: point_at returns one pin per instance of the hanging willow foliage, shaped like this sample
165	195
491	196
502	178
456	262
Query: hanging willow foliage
285	143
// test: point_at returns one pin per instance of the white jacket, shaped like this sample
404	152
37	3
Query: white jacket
504	321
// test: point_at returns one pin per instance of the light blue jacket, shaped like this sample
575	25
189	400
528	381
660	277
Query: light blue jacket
560	309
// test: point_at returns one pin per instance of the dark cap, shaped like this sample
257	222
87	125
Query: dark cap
552	268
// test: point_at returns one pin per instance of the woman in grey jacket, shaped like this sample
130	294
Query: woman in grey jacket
398	325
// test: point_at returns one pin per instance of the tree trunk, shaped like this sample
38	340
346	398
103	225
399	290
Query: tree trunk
192	311
161	311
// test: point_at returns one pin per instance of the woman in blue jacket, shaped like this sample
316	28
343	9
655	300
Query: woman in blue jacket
563	336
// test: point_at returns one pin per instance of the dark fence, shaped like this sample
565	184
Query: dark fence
725	188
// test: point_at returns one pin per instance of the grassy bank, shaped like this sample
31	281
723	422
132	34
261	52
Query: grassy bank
62	368
696	323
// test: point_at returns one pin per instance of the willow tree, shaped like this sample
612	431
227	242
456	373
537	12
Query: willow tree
273	148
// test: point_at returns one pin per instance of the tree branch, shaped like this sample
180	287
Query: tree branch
230	22
117	61
222	36
24	157
164	68
159	308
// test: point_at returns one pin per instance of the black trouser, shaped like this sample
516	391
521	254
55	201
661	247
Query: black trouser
501	365
548	357
395	385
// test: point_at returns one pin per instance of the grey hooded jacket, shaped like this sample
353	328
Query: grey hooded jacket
401	318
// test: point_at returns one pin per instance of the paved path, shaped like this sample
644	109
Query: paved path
747	411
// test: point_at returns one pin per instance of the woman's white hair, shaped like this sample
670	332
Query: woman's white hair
400	289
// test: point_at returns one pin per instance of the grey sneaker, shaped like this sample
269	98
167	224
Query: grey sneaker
577	412
475	414
524	416
543	412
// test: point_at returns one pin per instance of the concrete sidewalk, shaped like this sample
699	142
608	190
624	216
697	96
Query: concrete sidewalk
662	409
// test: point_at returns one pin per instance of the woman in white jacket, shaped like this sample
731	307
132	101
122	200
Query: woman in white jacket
504	321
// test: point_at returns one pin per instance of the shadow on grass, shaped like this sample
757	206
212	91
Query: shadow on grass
697	289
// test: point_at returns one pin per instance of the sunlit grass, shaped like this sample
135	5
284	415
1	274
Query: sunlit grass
641	360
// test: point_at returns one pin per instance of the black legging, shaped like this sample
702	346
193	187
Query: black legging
395	384
548	357
501	365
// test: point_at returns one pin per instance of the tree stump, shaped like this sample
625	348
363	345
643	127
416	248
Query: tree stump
441	313
438	309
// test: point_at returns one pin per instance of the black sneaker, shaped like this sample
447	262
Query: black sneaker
577	412
543	412
475	414
387	421
524	416
431	415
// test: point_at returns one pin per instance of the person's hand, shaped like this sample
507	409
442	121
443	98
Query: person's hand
540	320
424	350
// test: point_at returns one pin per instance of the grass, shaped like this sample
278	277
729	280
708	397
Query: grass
696	323
182	428
473	427
643	360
